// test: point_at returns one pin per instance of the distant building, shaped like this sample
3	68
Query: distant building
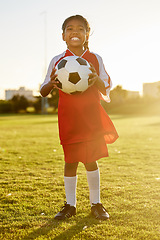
132	94
151	89
21	92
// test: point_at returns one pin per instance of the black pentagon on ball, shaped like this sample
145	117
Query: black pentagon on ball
74	77
62	64
59	84
76	92
81	61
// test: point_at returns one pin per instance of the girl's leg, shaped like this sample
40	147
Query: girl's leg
93	178
70	182
91	166
70	169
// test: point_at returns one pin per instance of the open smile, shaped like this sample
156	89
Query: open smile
75	39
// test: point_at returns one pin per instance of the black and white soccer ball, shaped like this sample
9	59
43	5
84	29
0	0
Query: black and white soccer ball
73	74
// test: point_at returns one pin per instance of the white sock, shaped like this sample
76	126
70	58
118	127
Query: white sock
93	178
70	189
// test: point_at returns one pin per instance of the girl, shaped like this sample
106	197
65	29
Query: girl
84	126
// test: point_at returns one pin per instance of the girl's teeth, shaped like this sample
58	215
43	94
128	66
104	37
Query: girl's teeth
75	38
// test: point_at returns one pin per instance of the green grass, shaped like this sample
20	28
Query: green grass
32	188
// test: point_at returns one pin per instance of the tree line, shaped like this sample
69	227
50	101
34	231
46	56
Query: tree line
120	103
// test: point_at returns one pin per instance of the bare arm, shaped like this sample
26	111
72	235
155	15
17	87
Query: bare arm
45	90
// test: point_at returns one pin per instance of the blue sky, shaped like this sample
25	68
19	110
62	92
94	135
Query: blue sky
126	33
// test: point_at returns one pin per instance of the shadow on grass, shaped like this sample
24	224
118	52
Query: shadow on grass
81	224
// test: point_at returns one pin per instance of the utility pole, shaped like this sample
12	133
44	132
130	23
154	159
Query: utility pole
44	101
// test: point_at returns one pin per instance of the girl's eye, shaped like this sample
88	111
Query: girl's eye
81	29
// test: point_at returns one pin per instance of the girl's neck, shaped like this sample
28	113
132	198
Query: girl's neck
77	52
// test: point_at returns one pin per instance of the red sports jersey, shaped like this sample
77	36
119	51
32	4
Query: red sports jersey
81	117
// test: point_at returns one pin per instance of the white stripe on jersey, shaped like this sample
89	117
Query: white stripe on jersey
50	68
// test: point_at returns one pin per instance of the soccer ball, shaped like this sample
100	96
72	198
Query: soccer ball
73	74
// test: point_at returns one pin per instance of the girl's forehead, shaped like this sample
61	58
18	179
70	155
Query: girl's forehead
75	22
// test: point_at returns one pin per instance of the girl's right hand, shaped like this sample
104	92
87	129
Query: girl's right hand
53	79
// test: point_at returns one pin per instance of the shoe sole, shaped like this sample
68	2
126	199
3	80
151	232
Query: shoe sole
65	217
98	217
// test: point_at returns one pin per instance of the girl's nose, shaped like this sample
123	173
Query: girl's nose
75	30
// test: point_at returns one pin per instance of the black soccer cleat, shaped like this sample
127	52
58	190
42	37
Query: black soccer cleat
66	212
99	212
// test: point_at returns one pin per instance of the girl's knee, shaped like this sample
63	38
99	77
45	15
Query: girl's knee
92	166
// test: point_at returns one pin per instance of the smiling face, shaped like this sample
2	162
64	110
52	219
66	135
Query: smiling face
75	35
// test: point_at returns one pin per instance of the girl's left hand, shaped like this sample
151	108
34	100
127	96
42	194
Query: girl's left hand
93	77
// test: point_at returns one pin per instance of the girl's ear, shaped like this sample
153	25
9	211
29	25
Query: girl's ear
63	37
87	36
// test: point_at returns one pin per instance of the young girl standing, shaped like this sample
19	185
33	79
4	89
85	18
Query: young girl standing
84	126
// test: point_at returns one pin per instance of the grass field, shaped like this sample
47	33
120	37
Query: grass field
32	188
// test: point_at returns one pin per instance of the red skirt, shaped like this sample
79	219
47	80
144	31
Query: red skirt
85	152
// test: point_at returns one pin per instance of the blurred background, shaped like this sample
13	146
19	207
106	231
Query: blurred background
126	33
